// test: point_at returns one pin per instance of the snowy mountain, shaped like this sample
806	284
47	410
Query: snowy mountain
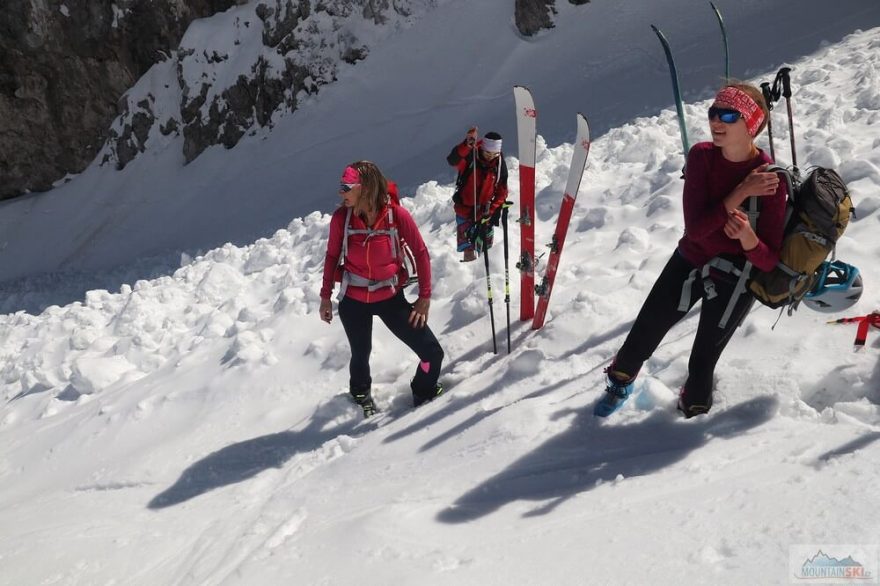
194	429
403	106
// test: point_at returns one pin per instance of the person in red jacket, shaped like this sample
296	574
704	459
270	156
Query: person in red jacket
719	244
364	252
481	171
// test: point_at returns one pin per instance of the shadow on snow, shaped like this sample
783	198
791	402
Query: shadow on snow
243	460
588	454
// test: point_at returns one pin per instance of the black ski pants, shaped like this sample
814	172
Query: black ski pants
660	312
357	320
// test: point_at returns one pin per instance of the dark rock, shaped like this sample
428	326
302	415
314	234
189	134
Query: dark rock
62	74
169	127
533	15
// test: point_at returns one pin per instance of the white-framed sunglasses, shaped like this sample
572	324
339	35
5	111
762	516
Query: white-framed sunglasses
346	187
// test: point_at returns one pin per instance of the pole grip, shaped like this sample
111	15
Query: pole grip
786	81
768	94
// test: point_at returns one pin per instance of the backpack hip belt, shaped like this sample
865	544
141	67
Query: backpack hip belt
725	266
349	278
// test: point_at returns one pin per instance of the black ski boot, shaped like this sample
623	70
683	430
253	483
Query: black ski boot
365	401
422	398
689	409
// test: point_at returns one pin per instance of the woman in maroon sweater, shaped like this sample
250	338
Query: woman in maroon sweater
370	275
720	177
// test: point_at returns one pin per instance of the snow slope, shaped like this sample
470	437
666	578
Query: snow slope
193	429
404	107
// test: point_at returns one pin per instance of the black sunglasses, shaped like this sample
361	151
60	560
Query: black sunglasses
346	187
726	115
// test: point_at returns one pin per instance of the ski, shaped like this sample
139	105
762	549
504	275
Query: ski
575	174
526	122
723	40
676	89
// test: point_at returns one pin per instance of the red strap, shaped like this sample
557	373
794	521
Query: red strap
862	332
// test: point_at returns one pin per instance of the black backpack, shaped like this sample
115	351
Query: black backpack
818	212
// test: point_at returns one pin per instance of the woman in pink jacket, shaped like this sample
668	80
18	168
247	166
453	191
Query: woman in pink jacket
364	253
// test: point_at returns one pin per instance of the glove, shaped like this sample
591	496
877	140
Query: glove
479	233
471	136
493	219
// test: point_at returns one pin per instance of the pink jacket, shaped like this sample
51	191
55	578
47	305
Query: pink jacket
373	257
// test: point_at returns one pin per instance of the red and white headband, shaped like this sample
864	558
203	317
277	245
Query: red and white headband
736	99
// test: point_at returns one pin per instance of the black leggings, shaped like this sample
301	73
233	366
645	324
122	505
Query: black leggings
357	319
660	312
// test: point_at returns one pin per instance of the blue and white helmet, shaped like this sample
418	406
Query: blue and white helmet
838	287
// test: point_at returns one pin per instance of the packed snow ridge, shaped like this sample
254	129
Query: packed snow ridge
250	302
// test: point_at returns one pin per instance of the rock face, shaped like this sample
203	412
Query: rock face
111	78
63	66
270	56
534	15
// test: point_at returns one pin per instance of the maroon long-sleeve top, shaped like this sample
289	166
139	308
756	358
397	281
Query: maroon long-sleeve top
709	178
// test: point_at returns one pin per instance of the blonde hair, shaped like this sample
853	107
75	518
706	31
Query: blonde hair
756	94
374	186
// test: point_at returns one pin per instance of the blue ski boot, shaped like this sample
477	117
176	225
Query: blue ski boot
616	394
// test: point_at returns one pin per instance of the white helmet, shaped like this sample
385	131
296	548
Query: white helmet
838	287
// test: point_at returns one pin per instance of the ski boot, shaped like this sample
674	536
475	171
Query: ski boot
692	410
420	399
616	393
365	401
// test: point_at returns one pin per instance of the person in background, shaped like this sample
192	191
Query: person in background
364	253
480	190
719	239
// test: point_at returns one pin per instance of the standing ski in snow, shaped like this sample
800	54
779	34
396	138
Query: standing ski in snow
720	241
364	253
480	190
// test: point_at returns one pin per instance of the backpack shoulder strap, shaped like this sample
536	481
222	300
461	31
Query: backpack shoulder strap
465	174
345	232
754	211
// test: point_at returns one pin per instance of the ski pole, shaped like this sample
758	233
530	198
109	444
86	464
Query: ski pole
786	92
474	173
768	98
504	208
483	228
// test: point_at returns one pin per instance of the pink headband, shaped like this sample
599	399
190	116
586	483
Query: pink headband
351	176
743	103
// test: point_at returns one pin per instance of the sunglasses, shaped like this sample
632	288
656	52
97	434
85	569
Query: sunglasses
726	115
490	155
346	187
